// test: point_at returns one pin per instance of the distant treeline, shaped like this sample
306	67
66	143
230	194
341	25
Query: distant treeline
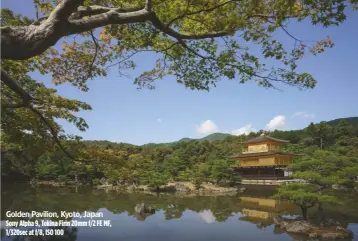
155	164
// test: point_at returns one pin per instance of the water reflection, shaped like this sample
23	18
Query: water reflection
261	210
245	217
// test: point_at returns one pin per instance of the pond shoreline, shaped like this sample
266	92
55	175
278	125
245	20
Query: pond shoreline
171	187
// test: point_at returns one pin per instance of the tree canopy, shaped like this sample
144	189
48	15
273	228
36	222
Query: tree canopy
197	42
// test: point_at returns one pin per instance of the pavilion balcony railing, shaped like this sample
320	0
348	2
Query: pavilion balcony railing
282	163
265	177
267	149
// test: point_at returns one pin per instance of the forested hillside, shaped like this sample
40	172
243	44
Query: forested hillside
293	135
349	120
192	160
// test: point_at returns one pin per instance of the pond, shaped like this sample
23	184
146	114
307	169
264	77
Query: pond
246	216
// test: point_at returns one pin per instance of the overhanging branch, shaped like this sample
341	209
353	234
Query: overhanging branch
63	10
27	98
14	86
13	106
200	11
171	32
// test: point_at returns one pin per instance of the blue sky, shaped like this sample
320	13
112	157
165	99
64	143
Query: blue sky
121	113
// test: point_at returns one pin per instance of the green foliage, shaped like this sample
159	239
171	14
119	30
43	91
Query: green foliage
327	167
198	180
193	161
62	178
156	179
185	38
186	175
96	181
216	137
351	121
321	134
304	195
337	164
221	170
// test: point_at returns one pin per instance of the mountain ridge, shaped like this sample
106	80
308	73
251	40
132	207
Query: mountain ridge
212	137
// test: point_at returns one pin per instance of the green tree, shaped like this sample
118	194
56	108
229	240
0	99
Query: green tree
303	195
195	42
221	170
343	134
204	171
320	170
321	133
186	175
174	164
156	179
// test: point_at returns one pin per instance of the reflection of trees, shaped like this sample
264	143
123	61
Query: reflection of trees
278	230
58	199
173	211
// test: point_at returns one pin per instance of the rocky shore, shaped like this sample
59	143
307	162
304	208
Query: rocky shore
179	188
326	231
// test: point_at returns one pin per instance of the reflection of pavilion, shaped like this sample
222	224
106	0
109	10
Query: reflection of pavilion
257	214
261	210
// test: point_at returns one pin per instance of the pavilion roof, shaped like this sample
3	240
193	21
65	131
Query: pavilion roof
263	138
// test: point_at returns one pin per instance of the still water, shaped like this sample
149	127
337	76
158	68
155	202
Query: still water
245	217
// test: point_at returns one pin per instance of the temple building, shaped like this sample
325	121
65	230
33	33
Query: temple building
263	159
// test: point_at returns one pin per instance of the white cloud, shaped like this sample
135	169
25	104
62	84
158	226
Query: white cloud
277	123
245	130
207	127
159	120
302	114
207	216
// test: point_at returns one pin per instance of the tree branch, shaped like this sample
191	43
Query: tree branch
14	86
26	97
90	75
200	11
233	65
18	43
106	18
83	11
64	10
171	32
148	5
52	130
13	106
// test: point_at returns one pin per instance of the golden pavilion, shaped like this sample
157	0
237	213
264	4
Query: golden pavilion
263	159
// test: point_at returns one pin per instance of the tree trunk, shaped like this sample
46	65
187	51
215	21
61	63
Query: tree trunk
304	212
320	213
321	140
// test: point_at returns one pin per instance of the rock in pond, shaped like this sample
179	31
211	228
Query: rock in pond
313	231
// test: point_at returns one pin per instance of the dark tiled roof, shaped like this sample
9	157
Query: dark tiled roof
261	154
263	138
